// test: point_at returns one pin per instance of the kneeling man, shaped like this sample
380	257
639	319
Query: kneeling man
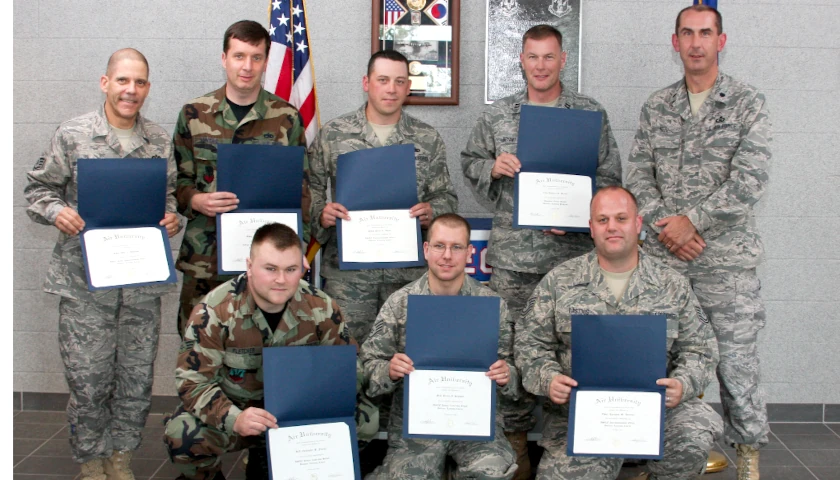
618	278
219	373
386	365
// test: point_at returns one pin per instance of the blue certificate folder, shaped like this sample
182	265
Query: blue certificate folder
311	385
383	178
123	193
265	178
557	140
622	353
451	333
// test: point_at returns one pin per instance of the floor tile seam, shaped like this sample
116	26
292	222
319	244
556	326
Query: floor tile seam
803	464
36	449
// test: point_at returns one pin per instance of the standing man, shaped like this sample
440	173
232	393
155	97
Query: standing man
219	374
520	257
386	365
698	165
239	112
108	340
380	122
617	278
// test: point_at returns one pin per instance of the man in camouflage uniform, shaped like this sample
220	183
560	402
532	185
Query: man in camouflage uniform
618	278
698	165
240	112
219	373
108	339
386	363
379	122
520	257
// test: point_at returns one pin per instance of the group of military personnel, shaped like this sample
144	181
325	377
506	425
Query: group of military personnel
697	166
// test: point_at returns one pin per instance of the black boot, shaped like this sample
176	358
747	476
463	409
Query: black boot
257	468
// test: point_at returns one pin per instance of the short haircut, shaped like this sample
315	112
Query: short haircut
392	55
247	31
540	32
614	188
701	8
281	237
123	54
451	220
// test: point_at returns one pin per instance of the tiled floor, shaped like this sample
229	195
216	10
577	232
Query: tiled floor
797	451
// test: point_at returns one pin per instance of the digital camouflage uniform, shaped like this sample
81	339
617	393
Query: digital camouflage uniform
543	350
424	459
219	372
713	168
108	338
520	257
362	292
203	124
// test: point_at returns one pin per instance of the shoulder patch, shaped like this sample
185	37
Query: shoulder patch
39	165
186	346
701	314
529	306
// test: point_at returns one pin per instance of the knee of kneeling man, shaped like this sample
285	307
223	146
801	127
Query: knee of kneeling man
490	468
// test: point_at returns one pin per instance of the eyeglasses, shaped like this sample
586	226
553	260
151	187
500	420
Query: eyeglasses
439	248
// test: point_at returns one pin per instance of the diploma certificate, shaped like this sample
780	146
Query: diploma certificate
321	450
622	424
448	402
125	256
375	236
554	199
237	230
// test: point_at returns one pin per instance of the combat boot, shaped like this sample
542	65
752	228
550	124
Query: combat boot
93	470
644	476
118	467
747	464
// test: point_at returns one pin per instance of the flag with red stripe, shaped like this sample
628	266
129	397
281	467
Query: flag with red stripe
290	74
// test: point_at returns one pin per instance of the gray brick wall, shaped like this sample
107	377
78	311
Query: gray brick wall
789	49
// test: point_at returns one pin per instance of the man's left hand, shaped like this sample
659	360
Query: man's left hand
424	211
673	391
499	372
678	230
170	221
554	231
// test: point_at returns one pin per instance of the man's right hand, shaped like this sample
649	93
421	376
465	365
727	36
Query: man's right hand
331	212
507	165
253	421
399	366
210	204
69	221
560	389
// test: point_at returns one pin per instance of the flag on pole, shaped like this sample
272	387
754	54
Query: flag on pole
290	74
708	3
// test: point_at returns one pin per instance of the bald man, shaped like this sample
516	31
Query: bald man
108	339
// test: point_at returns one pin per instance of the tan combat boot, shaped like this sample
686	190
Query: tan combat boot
644	476
747	464
93	470
118	467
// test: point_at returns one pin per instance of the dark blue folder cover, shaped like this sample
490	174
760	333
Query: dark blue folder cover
311	385
451	333
265	178
383	178
557	140
123	193
619	353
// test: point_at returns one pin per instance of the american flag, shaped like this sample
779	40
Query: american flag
393	12
289	73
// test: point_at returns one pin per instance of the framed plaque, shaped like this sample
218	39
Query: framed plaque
507	21
427	33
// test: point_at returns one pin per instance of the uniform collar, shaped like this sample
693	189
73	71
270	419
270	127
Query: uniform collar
566	99
643	278
247	307
720	94
421	286
101	128
257	112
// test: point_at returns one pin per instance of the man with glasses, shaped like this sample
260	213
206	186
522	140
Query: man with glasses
386	365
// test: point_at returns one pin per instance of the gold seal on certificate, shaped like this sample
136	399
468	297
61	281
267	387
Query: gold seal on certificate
416	4
415	68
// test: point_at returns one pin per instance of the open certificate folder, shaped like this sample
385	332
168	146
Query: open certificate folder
122	201
452	341
558	149
268	181
378	187
312	393
617	409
